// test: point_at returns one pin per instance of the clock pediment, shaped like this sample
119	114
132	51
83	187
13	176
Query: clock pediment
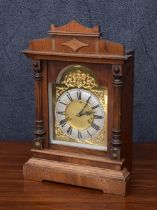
74	27
74	39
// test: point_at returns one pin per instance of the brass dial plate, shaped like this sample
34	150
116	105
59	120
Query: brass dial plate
79	114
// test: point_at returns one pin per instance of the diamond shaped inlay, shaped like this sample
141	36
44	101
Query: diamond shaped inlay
75	44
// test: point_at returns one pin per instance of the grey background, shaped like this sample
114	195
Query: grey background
131	22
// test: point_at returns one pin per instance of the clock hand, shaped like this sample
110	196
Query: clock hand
87	113
80	113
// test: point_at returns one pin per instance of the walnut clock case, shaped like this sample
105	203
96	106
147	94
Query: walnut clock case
83	103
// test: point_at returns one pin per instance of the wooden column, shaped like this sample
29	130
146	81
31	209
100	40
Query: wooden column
39	123
116	129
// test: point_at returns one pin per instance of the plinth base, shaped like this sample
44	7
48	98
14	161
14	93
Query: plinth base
107	180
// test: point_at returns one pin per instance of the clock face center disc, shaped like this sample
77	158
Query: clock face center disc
79	114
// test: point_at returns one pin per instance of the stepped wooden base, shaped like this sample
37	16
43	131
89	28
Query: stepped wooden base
108	180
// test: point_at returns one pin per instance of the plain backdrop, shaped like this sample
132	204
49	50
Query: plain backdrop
130	22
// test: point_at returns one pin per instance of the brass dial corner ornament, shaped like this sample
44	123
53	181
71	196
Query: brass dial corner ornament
81	109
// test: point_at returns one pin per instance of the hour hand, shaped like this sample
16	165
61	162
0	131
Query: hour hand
88	113
80	114
85	113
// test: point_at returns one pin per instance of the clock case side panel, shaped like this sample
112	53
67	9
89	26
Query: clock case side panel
41	132
45	103
127	111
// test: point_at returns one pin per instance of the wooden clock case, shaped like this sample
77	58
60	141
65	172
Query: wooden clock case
108	170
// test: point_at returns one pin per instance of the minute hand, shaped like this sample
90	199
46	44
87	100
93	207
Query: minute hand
80	113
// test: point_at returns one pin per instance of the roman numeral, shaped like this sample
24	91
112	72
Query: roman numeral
61	113
94	107
69	97
79	134
79	94
97	116
89	133
96	127
69	131
88	99
62	103
63	122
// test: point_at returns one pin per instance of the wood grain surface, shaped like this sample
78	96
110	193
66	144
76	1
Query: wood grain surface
16	193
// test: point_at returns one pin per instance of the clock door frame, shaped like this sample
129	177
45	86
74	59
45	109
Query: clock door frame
63	65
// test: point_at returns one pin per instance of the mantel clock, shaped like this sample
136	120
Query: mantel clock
83	104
